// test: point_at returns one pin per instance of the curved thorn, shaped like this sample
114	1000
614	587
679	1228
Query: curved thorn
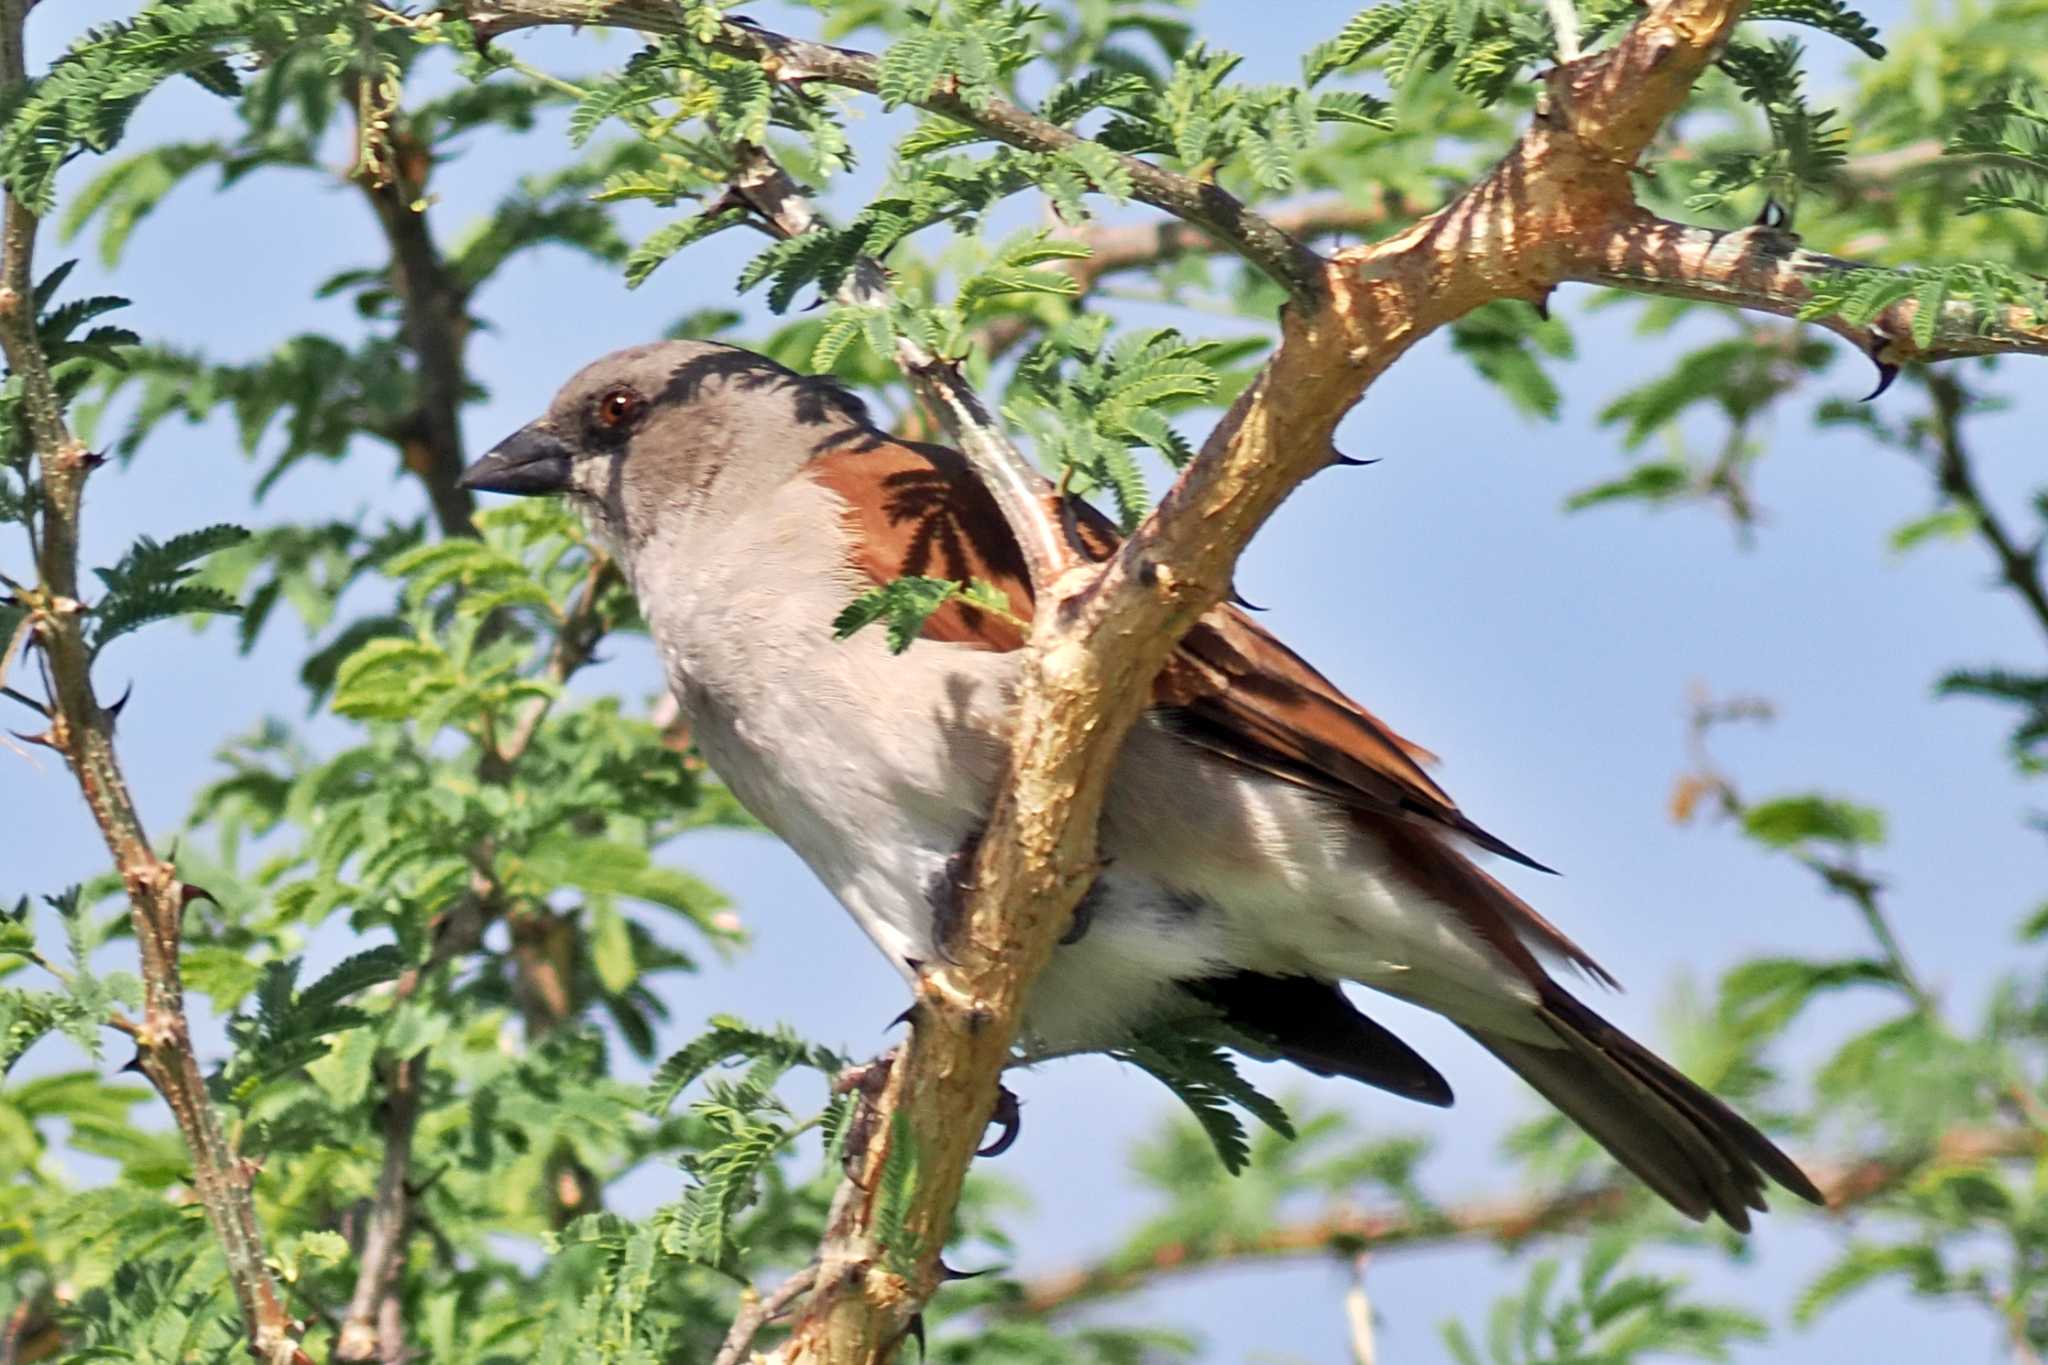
1008	1118
949	1274
1887	370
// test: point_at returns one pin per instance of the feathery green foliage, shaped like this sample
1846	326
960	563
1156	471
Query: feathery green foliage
458	882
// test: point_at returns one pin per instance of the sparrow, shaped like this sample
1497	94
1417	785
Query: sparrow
1265	838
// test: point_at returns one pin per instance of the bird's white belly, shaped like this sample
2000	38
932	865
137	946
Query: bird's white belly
815	776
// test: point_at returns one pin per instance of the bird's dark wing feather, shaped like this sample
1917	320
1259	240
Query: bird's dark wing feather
1309	1022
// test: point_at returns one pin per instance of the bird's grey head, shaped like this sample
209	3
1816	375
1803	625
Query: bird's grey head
655	435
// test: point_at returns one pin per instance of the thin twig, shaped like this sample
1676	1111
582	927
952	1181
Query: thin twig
434	315
1564	21
1840	875
1358	1314
576	639
2020	569
757	1312
373	1328
1848	1182
1199	202
1020	490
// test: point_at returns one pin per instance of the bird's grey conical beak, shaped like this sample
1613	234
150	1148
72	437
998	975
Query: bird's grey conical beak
531	461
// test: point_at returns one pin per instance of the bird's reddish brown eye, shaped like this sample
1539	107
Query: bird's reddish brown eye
618	407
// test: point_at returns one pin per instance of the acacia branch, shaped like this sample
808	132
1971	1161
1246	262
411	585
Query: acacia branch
1347	1232
1767	271
82	730
1099	635
372	1328
758	1311
1118	248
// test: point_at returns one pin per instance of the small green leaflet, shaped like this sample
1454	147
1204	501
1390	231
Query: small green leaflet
1791	820
906	604
1206	1080
897	1196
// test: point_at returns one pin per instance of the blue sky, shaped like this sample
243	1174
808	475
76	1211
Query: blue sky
1547	658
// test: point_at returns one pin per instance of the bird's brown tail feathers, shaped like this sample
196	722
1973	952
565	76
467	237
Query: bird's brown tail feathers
1689	1147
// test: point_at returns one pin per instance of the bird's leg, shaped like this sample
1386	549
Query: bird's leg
1084	916
868	1080
948	895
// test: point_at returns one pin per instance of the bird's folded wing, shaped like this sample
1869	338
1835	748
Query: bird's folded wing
1230	688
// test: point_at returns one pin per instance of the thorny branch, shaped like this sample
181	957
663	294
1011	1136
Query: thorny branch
1560	206
760	1310
82	730
1766	270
